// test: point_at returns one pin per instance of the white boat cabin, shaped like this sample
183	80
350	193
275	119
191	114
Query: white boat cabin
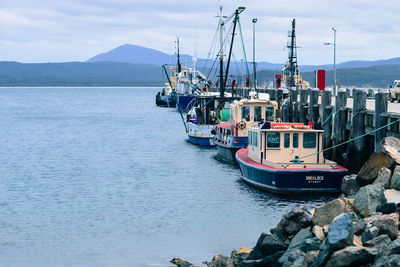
247	113
284	145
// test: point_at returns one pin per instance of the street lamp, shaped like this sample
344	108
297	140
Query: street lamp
334	59
254	53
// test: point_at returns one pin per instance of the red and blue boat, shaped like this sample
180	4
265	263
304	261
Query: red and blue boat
287	158
232	135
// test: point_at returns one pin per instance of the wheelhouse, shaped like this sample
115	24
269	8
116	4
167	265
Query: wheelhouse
286	143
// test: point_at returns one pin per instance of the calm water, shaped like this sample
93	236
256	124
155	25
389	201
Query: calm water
102	177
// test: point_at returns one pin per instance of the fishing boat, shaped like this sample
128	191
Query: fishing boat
232	135
287	158
213	108
209	110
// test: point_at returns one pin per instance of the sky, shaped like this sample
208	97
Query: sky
76	30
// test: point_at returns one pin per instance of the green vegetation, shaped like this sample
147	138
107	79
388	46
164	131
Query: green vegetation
376	76
127	74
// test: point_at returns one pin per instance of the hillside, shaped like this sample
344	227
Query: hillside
376	76
79	74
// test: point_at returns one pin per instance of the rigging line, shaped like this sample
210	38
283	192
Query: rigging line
333	112
353	139
244	50
209	73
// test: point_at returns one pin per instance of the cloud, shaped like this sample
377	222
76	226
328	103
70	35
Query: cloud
75	30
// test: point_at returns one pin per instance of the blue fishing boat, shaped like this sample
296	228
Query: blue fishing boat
232	135
211	109
287	158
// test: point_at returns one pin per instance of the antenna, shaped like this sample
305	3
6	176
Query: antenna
179	69
292	63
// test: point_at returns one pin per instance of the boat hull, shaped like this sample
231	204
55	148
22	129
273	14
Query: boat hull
200	134
185	102
227	153
166	101
306	180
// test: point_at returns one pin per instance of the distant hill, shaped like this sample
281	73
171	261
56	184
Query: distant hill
135	54
138	55
375	76
127	74
79	74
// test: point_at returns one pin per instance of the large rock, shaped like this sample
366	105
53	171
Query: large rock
181	262
392	196
267	244
368	198
220	261
239	255
387	208
318	232
298	218
384	177
310	258
380	225
391	248
350	185
300	237
381	243
369	172
325	213
352	256
387	261
340	232
270	261
395	181
391	146
292	258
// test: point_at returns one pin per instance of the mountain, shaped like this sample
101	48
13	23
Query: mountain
138	55
135	54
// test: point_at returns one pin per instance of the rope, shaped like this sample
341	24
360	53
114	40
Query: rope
330	115
353	139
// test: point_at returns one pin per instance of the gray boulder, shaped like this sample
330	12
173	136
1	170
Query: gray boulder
391	248
387	261
300	237
369	172
387	208
325	213
298	218
381	243
181	262
292	258
272	244
318	232
350	185
391	146
310	258
352	256
392	196
386	224
368	198
369	233
384	177
220	261
395	181
340	232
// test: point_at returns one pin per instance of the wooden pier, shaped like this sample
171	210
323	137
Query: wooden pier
343	117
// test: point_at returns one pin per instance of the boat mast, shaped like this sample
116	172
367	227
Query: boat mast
221	54
235	20
292	54
179	69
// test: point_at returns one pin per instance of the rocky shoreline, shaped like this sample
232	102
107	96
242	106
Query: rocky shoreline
360	228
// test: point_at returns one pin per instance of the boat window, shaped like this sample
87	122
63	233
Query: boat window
255	139
269	113
257	113
295	140
309	140
250	138
286	140
274	140
246	113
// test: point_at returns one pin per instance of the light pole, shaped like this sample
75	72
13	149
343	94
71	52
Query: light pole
334	59
254	53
